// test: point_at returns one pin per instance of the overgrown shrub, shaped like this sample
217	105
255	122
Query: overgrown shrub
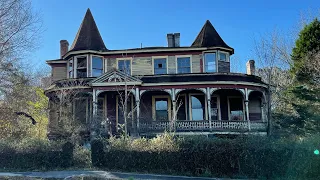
255	157
29	154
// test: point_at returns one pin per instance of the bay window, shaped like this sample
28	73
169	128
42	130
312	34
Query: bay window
210	62
82	67
70	68
97	66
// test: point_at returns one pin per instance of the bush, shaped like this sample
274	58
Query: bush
30	154
254	157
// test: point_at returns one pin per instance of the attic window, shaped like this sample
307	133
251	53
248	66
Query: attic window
160	66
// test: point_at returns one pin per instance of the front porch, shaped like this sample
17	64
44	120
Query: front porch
201	110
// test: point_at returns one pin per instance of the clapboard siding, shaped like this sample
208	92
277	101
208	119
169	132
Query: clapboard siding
59	71
142	66
223	66
171	65
111	63
196	63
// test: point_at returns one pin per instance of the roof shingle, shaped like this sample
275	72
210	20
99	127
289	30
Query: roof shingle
209	37
88	36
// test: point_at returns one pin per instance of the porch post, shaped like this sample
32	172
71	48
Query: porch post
247	107
174	113
262	112
137	99
93	127
209	106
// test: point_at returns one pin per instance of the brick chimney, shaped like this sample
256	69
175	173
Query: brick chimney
251	69
173	39
64	47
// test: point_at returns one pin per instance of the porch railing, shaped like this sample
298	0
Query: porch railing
204	125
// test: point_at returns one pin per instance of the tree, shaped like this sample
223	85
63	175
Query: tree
306	45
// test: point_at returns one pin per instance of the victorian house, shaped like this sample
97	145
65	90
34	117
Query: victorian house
149	90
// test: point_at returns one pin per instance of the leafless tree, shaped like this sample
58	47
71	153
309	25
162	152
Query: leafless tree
273	54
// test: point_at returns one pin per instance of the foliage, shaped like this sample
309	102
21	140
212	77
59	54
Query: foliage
254	157
308	42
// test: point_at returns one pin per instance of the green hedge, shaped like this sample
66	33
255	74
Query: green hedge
255	157
35	154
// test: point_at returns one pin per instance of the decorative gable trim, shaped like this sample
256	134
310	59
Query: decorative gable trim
115	77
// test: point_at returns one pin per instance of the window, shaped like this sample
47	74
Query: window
235	108
97	66
210	62
125	66
161	108
70	68
197	107
222	56
81	67
214	108
183	65
160	66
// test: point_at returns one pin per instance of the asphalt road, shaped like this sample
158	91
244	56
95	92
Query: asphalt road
100	174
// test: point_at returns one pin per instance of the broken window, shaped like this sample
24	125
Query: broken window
160	66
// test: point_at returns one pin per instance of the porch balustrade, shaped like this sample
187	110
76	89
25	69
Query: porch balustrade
219	125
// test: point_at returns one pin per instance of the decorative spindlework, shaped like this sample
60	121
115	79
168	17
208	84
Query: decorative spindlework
116	77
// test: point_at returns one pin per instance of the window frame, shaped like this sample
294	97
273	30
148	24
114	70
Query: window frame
243	107
68	65
125	58
205	107
159	57
227	56
217	59
91	60
218	106
154	106
76	65
183	56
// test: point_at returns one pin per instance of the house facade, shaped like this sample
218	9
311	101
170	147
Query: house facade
149	90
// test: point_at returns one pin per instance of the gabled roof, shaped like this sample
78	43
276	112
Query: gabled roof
115	76
88	36
209	37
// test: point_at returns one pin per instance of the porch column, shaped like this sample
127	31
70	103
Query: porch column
93	127
208	94
174	108
262	112
247	107
137	99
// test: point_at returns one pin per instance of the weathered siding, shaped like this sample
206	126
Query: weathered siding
196	63
59	71
171	65
110	63
223	67
142	66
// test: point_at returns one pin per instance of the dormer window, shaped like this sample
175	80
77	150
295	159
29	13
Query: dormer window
97	66
82	67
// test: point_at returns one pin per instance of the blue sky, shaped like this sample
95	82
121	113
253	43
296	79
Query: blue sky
127	23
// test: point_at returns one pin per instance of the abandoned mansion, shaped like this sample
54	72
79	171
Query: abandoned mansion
149	90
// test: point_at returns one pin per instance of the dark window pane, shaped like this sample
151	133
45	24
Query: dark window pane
183	65
236	108
82	62
97	62
125	66
181	104
210	62
214	108
223	57
161	105
160	66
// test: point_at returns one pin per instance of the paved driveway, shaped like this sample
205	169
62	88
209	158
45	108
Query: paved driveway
100	174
